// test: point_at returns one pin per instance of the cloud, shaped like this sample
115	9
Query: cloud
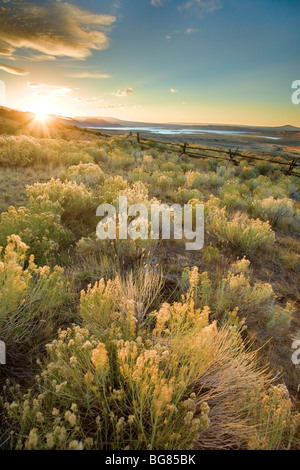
54	92
49	91
168	37
157	3
202	6
89	75
54	29
127	91
173	90
6	49
92	100
191	30
13	70
113	106
34	85
40	57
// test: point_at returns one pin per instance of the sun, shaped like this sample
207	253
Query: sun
42	120
41	116
40	112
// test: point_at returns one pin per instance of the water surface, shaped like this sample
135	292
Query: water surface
165	131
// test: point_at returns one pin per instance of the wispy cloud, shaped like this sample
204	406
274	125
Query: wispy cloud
127	91
41	57
6	49
55	28
13	70
157	3
113	106
92	100
34	85
89	75
191	30
202	6
173	90
49	91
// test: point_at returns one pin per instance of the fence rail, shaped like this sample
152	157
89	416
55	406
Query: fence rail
285	164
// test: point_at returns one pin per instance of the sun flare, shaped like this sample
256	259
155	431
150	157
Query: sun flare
41	111
41	117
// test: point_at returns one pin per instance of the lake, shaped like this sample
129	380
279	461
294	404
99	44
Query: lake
165	131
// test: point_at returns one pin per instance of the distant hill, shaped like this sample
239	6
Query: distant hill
14	122
103	122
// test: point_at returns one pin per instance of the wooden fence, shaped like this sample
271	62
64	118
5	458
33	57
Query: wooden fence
288	165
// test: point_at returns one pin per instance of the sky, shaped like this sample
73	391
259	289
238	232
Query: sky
187	61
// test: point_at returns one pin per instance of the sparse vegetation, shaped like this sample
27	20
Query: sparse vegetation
141	344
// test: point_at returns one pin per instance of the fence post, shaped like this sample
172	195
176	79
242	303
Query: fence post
184	147
138	137
290	170
232	155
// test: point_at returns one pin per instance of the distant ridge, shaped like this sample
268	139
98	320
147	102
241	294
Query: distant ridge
91	122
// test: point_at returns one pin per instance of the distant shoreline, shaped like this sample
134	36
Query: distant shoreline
187	132
282	143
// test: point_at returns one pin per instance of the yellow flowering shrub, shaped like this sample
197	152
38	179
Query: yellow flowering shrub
39	226
87	173
22	151
276	422
109	191
117	395
75	199
30	298
99	305
150	366
182	384
255	301
104	302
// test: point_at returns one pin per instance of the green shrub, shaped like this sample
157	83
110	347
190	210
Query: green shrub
248	172
279	189
211	254
183	196
75	157
279	212
235	195
240	232
207	179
